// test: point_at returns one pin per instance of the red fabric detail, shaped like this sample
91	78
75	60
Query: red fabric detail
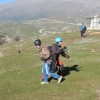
59	63
42	78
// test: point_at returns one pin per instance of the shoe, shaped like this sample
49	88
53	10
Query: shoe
59	79
44	82
42	78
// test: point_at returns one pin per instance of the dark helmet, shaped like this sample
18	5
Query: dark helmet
37	42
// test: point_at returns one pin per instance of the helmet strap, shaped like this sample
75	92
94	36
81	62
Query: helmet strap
57	43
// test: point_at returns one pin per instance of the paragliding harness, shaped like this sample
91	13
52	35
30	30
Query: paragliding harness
85	28
53	65
55	62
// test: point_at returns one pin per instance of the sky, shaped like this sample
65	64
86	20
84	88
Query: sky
6	1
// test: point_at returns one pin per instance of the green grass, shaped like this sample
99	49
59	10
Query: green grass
20	72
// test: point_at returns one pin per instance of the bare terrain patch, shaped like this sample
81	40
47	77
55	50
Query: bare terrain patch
1	54
95	33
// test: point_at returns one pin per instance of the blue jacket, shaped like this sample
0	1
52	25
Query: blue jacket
82	27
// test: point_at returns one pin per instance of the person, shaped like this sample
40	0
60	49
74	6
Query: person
45	56
58	50
82	30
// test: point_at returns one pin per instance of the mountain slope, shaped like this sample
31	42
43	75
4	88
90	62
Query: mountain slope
23	9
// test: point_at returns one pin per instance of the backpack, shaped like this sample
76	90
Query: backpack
50	48
85	28
45	53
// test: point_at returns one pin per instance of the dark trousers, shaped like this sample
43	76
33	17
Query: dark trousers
82	33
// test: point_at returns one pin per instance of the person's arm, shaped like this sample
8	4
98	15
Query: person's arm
64	54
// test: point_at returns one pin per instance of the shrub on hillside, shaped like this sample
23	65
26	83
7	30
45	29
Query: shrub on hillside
2	41
16	38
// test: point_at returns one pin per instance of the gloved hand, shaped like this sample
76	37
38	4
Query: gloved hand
64	47
67	56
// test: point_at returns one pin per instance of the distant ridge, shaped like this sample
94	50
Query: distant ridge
36	9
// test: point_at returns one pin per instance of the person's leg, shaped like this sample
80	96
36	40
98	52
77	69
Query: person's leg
54	75
44	74
81	33
61	67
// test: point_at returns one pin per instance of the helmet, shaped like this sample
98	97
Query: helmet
37	42
58	39
82	23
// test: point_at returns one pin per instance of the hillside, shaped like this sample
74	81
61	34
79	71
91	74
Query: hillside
35	28
28	9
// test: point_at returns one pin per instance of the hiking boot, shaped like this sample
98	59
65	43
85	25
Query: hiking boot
44	82
59	79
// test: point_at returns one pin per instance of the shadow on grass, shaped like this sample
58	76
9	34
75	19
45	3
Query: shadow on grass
67	71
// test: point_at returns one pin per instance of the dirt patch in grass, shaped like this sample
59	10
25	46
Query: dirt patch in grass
98	92
1	54
96	33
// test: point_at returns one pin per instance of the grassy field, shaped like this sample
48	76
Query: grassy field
20	72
